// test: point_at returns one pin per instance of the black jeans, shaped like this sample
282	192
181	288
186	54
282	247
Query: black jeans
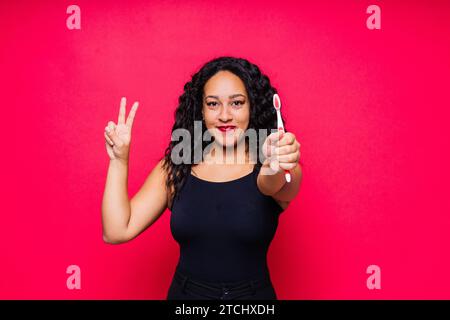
186	288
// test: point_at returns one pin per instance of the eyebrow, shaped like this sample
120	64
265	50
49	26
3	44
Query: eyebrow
231	97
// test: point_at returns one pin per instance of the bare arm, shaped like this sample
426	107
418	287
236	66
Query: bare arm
276	186
286	152
115	205
122	219
149	203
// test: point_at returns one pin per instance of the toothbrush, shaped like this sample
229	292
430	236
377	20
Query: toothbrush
277	106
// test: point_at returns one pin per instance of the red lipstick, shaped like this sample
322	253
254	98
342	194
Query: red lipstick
226	128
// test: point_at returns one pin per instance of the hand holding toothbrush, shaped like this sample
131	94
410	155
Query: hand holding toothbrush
281	148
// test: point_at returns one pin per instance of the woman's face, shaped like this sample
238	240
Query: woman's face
226	108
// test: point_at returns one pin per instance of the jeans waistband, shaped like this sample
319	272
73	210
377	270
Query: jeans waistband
220	290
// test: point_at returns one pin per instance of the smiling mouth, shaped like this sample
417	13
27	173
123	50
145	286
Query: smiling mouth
226	128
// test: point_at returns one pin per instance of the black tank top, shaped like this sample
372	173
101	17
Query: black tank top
224	229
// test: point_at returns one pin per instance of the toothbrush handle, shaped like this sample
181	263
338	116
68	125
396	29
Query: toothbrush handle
287	175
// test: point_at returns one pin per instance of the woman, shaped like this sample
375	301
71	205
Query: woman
225	205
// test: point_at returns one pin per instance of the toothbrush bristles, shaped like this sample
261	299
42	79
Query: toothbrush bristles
276	101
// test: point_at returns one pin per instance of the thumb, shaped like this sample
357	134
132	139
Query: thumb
274	137
274	165
113	136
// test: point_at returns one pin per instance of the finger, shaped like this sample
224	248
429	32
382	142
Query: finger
123	103
111	125
113	136
274	137
289	158
274	165
270	149
267	171
291	148
132	114
288	166
111	128
108	139
288	138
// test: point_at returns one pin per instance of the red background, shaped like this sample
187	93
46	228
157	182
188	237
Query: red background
370	108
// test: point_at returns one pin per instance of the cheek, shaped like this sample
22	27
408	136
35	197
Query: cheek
210	117
242	117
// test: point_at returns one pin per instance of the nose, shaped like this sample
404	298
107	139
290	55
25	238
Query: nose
224	115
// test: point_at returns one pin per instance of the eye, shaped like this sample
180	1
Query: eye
238	102
212	103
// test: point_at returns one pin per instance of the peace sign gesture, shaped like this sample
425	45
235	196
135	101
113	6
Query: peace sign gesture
118	137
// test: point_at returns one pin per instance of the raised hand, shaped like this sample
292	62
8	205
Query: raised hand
118	137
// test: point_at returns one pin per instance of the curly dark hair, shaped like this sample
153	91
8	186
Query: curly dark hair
262	113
